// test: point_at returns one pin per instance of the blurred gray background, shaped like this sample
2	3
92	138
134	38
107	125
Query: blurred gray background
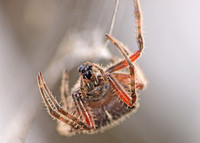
51	35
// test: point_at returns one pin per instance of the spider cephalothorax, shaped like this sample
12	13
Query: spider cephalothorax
92	81
102	96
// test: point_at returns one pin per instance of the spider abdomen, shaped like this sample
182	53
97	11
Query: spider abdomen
109	110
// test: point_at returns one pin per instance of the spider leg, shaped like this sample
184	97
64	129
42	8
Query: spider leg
116	86
124	79
51	109
84	110
119	90
65	89
138	16
111	29
112	26
140	41
76	105
122	64
46	94
113	21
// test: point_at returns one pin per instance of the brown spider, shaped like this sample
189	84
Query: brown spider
102	97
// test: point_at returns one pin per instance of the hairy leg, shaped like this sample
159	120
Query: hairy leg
56	110
83	110
65	89
130	101
139	38
113	21
124	79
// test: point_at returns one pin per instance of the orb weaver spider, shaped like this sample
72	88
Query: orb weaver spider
102	97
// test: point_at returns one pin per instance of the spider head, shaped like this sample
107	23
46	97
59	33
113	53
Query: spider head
85	70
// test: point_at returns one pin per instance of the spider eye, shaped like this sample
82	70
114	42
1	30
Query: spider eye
80	69
83	70
88	74
90	67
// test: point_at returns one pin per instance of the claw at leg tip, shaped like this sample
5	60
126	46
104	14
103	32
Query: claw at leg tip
107	35
110	38
40	73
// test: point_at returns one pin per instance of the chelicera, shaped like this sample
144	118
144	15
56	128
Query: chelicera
102	96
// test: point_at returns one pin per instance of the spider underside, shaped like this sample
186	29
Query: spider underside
102	97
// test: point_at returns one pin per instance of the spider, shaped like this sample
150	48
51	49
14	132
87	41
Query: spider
102	97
